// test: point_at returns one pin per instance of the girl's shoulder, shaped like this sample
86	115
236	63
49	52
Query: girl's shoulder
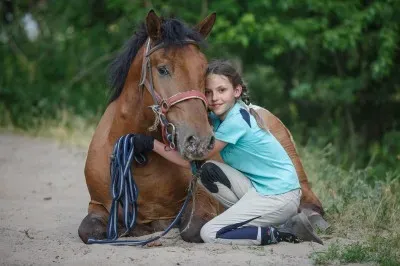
240	116
233	127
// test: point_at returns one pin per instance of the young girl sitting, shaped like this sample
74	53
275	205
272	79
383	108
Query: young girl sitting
257	182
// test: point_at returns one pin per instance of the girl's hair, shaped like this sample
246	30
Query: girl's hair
225	68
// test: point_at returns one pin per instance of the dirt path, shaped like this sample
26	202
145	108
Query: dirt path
43	198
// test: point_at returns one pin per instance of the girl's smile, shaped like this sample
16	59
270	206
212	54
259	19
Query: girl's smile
221	94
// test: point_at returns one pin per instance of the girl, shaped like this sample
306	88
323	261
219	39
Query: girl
257	183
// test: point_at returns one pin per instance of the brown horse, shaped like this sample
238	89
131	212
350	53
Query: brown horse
176	67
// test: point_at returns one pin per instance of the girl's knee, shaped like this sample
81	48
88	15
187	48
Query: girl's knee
208	233
212	173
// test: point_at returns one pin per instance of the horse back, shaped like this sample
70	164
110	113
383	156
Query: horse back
285	138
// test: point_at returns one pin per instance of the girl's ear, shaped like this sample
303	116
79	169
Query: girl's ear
238	91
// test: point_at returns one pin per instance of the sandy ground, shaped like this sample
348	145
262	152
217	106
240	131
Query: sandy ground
43	198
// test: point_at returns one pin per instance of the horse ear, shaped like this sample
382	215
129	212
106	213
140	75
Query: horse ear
206	25
153	25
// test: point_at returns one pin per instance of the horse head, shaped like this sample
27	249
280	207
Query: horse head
173	71
163	59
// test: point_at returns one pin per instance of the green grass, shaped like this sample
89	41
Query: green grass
360	207
66	128
381	250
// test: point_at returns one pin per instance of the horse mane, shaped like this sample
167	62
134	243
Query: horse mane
173	33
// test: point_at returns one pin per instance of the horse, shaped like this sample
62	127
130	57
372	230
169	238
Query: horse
164	57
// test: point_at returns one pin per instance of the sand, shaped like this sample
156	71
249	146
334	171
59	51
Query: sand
43	198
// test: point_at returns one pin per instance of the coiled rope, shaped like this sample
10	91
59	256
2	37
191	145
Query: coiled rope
125	193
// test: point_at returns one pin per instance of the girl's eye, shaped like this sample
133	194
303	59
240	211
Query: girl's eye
221	90
163	71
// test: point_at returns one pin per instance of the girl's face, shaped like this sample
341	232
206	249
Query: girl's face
221	94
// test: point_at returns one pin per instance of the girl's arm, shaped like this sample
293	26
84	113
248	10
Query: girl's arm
218	147
175	157
171	155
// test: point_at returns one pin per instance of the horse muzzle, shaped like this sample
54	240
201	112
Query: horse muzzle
192	146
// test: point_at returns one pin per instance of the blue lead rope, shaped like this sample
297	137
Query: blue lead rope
125	192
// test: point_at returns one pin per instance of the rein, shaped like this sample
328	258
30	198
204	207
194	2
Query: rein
162	106
125	193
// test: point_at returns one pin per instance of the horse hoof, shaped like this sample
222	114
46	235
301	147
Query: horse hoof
318	223
92	226
302	228
316	220
191	232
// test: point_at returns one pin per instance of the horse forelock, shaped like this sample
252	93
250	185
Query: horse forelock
173	33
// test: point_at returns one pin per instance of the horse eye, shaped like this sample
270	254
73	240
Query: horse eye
163	71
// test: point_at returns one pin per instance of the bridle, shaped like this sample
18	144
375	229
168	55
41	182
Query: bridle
162	106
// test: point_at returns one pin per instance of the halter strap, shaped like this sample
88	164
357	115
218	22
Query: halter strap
146	66
161	106
174	99
180	97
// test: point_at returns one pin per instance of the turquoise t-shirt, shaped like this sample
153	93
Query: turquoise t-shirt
255	152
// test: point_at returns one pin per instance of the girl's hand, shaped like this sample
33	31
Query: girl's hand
175	157
171	155
143	143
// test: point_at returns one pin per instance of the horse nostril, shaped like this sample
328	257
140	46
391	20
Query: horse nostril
191	140
211	144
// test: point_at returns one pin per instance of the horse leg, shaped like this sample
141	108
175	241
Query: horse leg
97	175
94	225
311	206
198	212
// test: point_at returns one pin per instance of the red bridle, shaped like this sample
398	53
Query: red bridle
161	106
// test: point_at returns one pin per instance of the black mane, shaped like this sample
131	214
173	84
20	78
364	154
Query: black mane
173	32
